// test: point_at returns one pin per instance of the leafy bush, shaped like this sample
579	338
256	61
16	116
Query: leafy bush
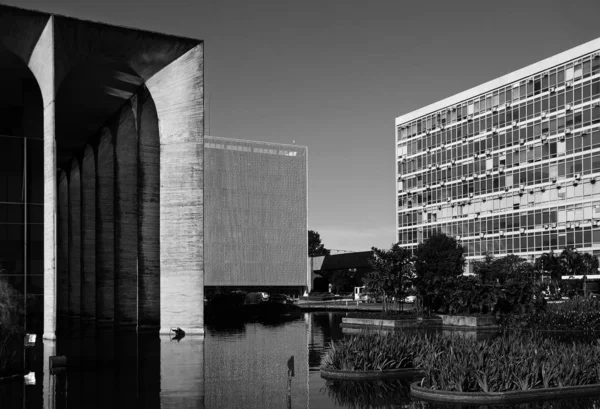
578	314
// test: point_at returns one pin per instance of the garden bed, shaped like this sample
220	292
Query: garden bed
503	397
387	374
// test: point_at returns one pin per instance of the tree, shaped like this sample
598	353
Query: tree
392	273
315	247
343	281
554	267
437	258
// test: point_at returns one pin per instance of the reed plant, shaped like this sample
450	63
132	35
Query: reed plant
374	352
511	362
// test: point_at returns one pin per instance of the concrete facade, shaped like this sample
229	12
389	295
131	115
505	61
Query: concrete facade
510	166
121	116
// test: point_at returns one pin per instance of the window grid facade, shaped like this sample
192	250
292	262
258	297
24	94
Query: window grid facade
512	170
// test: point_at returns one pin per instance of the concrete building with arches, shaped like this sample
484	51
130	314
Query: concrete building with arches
101	173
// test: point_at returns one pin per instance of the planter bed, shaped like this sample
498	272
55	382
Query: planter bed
386	374
503	397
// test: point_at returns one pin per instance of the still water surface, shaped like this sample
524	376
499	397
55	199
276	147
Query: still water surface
236	365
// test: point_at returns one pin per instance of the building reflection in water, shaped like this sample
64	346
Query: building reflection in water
243	368
249	369
112	371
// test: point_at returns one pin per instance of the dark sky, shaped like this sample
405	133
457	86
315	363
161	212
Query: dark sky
333	75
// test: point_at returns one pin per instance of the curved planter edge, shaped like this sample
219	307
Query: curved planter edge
503	397
338	374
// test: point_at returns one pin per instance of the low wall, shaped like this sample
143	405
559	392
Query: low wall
469	321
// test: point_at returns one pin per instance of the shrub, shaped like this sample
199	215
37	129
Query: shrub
579	314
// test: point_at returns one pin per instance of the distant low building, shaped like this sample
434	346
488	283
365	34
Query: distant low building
352	263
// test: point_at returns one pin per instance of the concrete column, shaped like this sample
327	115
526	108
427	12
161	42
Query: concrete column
74	241
88	235
126	222
41	64
48	388
148	217
177	91
63	246
105	232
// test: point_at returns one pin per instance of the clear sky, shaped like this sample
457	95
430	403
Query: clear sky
333	75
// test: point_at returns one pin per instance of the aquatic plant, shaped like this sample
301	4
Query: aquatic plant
374	352
511	362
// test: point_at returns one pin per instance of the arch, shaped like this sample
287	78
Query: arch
105	232
74	241
126	221
148	215
88	235
62	291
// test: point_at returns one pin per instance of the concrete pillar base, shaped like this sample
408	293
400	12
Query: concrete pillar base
50	336
188	331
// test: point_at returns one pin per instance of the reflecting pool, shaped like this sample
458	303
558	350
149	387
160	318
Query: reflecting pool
269	364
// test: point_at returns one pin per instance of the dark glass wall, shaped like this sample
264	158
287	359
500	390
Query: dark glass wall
22	191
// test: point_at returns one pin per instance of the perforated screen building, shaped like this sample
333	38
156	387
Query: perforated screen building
509	166
255	220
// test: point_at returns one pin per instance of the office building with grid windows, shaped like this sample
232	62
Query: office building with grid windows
509	167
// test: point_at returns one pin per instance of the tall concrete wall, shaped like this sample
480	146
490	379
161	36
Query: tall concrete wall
88	235
178	94
105	231
62	281
74	241
126	227
148	215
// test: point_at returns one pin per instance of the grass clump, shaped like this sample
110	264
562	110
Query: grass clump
374	352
